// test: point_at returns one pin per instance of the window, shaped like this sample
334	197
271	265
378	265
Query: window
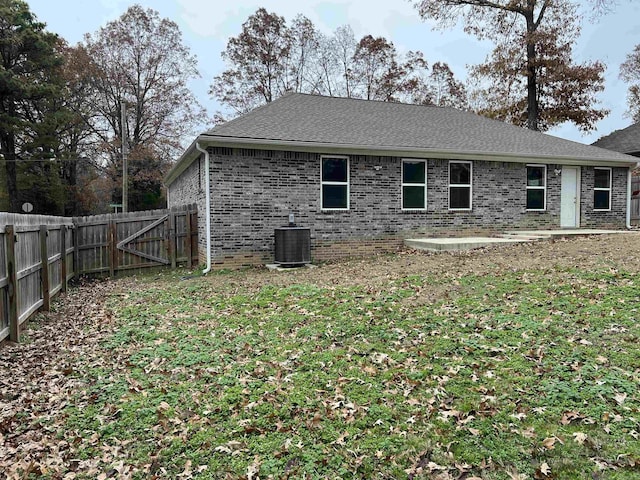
334	179
602	188
460	174
536	187
414	184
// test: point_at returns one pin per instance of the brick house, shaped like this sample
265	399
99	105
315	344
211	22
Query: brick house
364	175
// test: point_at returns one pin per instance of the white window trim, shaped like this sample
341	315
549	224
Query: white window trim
403	184
603	189
347	183
544	187
469	186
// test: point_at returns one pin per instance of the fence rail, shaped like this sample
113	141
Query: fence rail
40	254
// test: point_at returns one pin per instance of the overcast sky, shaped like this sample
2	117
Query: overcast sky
208	24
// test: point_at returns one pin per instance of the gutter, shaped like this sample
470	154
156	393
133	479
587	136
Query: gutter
208	205
629	194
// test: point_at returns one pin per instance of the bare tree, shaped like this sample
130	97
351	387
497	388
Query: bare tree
257	74
141	63
630	73
269	58
304	43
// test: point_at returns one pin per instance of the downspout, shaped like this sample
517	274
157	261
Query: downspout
208	206
629	198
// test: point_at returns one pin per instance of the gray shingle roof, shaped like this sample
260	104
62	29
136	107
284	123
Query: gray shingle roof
354	123
626	140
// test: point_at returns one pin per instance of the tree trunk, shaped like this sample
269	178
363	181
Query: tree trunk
532	83
70	170
9	151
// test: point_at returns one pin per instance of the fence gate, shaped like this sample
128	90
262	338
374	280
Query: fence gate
137	244
137	240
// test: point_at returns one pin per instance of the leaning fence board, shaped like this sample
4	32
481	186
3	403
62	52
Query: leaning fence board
39	254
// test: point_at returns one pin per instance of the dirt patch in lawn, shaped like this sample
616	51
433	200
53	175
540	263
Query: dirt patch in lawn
598	251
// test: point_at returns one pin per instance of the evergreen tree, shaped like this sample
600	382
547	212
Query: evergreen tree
29	85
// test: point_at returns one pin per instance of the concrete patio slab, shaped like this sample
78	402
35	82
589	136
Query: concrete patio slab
515	236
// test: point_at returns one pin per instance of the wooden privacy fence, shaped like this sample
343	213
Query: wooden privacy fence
27	283
40	254
125	241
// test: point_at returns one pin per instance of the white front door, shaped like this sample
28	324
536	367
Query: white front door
570	198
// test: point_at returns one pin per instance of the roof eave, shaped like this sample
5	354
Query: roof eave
319	147
186	159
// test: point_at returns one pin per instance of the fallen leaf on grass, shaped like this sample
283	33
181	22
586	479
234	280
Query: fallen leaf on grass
568	417
254	468
545	469
579	437
433	466
514	475
341	439
620	398
187	470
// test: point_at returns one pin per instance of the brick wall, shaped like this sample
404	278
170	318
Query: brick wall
253	192
189	188
616	218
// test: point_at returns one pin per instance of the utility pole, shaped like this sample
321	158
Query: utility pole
123	135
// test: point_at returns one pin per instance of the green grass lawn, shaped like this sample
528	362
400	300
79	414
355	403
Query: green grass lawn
531	374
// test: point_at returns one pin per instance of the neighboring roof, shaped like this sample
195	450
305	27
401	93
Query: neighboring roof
332	124
626	140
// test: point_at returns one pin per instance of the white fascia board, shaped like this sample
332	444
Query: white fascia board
186	159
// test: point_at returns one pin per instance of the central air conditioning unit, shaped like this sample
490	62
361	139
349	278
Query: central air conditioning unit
292	245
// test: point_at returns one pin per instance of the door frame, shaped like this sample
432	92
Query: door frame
578	203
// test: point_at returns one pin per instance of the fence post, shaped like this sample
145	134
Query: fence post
172	238
10	243
113	248
63	259
187	240
76	252
44	271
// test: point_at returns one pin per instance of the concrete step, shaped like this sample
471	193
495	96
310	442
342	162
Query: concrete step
567	232
525	238
456	244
